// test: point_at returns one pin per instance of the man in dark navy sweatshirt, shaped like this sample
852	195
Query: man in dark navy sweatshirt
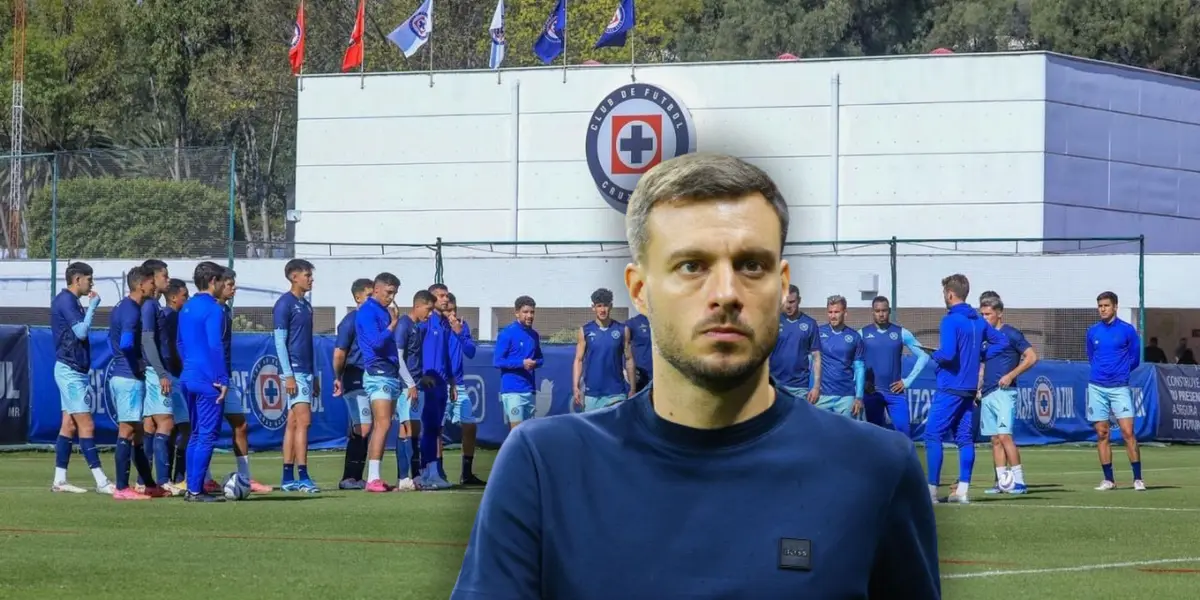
961	350
711	483
1113	351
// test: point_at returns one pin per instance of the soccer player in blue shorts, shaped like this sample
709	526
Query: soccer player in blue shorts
518	355
961	350
998	395
843	373
127	384
640	342
205	377
175	297
158	410
883	347
603	373
70	323
460	411
374	327
1114	351
796	360
438	383
348	384
409	338
294	346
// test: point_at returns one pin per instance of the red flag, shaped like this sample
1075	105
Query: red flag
354	54
296	53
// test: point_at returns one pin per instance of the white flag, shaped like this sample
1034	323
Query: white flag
496	32
415	31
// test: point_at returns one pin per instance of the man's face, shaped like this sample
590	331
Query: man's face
602	311
227	289
451	311
384	294
1107	309
990	315
947	297
162	280
882	311
791	305
303	280
176	301
441	298
361	296
84	283
715	269
836	314
146	287
525	315
421	311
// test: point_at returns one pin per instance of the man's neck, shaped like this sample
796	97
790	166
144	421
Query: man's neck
884	325
603	322
297	292
136	297
793	317
680	401
837	327
1110	320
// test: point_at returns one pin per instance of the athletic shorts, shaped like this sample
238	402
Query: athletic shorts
381	387
841	405
517	406
1105	403
461	411
998	410
800	393
158	404
591	403
128	396
304	389
233	405
358	406
74	389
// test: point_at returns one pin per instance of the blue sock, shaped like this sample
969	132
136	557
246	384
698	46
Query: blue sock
1108	475
90	453
148	452
414	463
403	458
1137	469
289	472
303	472
62	452
124	452
142	464
162	458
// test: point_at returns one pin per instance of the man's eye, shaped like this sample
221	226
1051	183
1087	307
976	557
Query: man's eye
690	266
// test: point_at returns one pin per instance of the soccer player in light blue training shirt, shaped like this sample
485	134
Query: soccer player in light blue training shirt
796	360
603	371
127	385
883	348
998	395
640	343
409	337
205	377
1114	351
460	411
158	410
348	384
293	322
961	350
518	355
69	324
439	387
843	373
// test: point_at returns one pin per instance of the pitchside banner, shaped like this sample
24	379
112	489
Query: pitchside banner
14	384
1052	404
1178	401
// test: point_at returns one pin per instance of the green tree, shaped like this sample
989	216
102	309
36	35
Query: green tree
130	218
1156	34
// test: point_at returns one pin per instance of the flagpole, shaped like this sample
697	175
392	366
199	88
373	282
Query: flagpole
362	44
632	57
301	77
430	30
564	37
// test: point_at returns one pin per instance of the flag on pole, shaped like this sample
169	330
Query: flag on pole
553	39
296	53
354	53
619	27
414	31
496	31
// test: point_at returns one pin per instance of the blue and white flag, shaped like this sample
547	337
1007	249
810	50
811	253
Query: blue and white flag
496	32
619	27
415	31
553	39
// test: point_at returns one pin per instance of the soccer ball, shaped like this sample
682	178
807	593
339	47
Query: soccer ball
236	488
1007	482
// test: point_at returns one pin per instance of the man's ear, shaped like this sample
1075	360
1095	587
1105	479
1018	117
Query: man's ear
635	282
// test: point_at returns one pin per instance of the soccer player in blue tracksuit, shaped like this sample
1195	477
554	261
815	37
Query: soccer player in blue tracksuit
883	348
348	384
1114	351
293	323
158	410
998	395
603	371
796	360
642	345
518	355
409	337
843	373
70	324
461	412
439	386
127	385
962	334
205	376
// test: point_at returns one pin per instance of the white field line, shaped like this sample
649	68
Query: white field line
1093	567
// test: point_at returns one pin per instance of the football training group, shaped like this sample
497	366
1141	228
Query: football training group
169	379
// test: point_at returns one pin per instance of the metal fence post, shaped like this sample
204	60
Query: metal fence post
437	262
895	285
232	202
1142	294
53	223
